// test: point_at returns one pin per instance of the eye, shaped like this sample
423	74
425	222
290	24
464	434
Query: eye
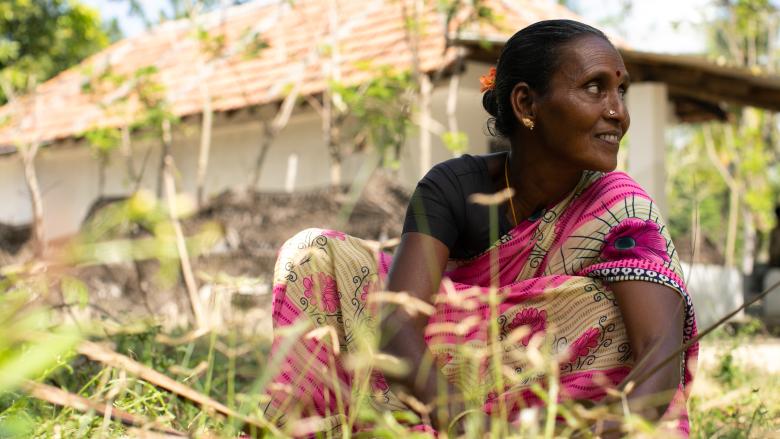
622	91
593	88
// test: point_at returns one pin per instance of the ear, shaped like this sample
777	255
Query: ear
522	100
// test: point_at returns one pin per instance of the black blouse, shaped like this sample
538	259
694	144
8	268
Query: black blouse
440	206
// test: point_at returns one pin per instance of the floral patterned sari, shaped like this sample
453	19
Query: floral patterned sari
552	275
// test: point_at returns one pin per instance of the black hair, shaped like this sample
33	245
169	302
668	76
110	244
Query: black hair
777	210
530	56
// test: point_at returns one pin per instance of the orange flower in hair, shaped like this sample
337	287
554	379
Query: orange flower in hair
488	81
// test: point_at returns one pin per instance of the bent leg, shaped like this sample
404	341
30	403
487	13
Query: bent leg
322	279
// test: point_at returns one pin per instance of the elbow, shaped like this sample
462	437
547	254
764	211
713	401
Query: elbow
663	355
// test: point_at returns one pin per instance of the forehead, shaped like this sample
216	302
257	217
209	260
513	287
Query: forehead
587	55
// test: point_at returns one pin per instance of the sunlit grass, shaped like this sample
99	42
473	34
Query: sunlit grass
233	368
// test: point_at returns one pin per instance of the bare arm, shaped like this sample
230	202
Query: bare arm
653	316
417	268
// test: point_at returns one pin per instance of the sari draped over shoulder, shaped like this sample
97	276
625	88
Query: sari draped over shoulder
549	279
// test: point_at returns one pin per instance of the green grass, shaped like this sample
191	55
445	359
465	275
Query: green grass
728	401
227	365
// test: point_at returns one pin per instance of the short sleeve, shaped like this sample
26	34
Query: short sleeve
436	206
634	244
621	236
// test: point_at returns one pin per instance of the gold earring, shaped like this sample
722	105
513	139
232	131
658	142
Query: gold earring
529	123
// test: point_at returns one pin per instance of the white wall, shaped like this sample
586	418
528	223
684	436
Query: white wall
14	202
68	172
715	290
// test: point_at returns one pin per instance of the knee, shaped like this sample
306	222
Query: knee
299	247
300	241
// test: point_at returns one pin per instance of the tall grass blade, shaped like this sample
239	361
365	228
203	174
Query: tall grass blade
57	396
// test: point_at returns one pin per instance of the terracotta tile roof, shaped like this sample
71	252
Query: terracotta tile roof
298	38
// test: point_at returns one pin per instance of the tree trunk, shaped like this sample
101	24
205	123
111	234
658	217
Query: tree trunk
205	144
751	43
695	231
265	145
270	130
452	99
331	119
734	194
425	124
36	200
329	135
334	149
749	239
164	154
28	153
102	163
731	232
126	149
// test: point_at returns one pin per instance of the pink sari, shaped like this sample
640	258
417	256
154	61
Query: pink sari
551	276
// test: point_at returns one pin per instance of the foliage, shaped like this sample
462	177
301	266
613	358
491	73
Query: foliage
732	399
206	364
103	141
143	105
455	141
380	108
743	157
697	194
39	39
31	344
172	9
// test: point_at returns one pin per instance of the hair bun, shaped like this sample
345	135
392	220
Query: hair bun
490	103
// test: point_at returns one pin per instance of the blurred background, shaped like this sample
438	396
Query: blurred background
155	154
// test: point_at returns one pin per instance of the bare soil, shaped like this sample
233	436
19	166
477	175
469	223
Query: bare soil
235	275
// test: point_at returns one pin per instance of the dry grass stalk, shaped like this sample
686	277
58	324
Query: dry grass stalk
696	339
110	358
186	338
410	304
492	199
181	245
139	433
326	331
63	398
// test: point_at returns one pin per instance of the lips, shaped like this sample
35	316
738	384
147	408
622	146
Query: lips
613	138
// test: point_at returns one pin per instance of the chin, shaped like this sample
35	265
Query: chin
609	168
602	165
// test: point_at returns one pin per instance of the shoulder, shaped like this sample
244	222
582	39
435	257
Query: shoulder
460	166
610	187
469	166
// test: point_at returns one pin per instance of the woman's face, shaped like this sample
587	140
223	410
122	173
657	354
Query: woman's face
583	116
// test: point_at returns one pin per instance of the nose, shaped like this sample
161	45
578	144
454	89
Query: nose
616	108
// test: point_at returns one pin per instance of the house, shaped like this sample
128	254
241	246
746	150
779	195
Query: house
305	44
298	41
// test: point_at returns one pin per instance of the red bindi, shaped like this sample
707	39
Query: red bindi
618	73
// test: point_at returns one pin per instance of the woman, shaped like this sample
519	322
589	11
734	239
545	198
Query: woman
584	266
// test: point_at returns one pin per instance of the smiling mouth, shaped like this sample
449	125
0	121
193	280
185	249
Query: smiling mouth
609	138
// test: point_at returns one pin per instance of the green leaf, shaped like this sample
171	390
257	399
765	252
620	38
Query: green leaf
456	141
74	291
35	358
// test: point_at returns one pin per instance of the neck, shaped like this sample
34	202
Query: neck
538	180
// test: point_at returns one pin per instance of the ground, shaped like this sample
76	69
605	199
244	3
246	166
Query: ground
234	273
